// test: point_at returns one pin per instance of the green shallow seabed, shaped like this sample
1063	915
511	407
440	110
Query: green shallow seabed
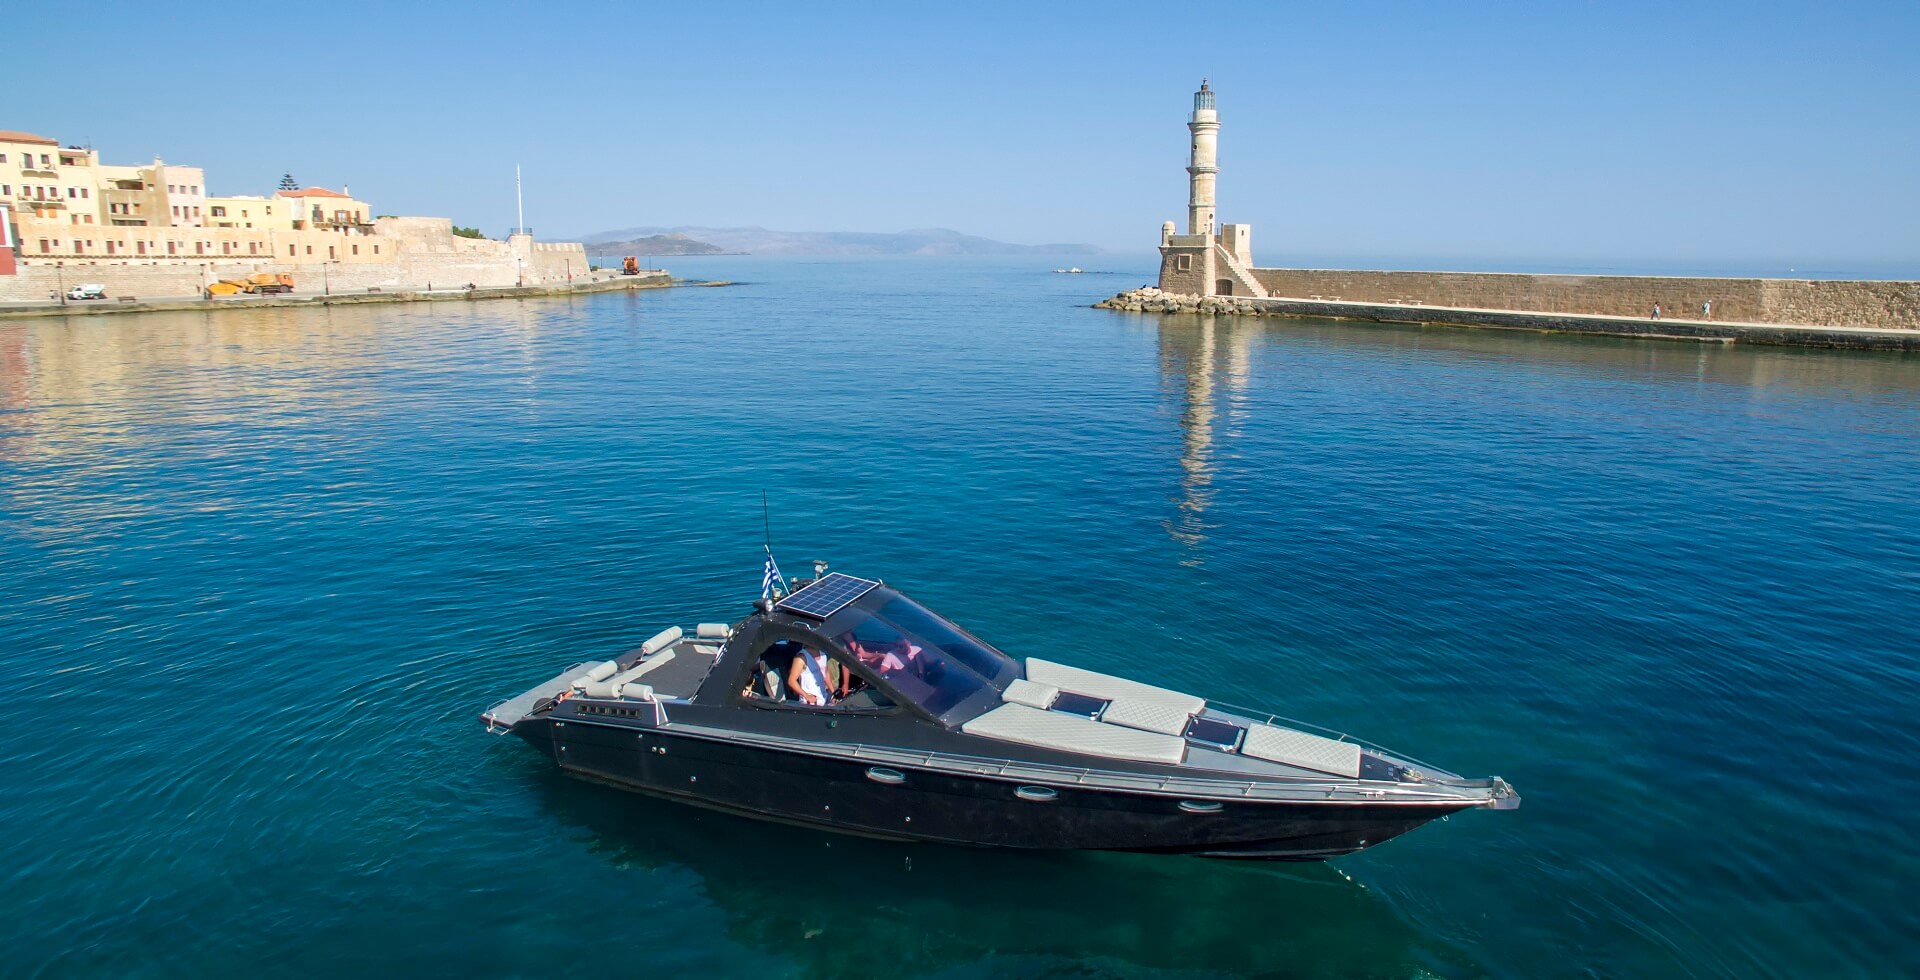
259	572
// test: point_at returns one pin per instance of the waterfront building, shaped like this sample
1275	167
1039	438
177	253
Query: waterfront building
153	230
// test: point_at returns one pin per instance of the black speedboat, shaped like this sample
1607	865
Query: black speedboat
924	732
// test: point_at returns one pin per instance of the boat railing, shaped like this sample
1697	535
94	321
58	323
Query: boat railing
1310	728
1279	787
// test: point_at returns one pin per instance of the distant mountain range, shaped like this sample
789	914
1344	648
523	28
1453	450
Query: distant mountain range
653	245
761	241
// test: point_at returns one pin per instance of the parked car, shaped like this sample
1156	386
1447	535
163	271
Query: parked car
87	290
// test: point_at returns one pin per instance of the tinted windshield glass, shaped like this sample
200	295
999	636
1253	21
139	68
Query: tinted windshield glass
922	656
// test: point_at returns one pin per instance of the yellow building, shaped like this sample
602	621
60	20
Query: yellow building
41	178
251	211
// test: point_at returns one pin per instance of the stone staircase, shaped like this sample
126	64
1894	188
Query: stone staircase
1244	284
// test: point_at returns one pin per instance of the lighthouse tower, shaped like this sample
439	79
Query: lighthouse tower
1210	259
1204	162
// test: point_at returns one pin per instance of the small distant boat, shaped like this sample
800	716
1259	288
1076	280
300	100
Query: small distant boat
1076	270
850	707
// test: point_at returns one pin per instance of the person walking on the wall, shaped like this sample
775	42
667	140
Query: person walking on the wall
1706	310
1656	311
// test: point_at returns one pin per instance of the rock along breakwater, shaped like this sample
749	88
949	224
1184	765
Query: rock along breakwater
1150	299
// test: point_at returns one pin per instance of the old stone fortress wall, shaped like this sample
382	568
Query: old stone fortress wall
151	231
1213	260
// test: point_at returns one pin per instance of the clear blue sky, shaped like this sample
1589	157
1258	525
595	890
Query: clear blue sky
1535	132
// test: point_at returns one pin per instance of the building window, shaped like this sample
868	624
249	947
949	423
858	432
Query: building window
140	248
219	212
43	245
226	248
78	248
109	248
86	192
171	247
309	249
199	248
330	252
376	250
356	250
1183	263
3	158
253	248
43	159
196	190
289	251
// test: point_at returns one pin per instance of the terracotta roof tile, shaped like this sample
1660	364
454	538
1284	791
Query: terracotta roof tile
312	192
15	136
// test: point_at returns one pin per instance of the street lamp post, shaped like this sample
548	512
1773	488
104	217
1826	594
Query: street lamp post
60	281
326	279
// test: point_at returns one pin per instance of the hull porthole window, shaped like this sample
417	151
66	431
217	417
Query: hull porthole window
1037	794
888	777
1199	806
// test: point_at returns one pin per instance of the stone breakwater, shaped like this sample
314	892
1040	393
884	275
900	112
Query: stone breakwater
1149	299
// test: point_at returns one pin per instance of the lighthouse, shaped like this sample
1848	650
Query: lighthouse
1211	259
1203	163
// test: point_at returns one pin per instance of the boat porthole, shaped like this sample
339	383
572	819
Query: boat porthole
1037	794
693	779
890	777
1199	806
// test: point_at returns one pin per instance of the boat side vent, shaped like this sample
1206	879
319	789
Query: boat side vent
1037	794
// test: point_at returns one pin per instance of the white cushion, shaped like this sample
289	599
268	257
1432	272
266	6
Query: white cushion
713	631
600	672
1108	686
1072	733
1023	691
1152	716
635	692
1300	749
662	640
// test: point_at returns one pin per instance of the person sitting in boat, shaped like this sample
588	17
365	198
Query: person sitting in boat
812	678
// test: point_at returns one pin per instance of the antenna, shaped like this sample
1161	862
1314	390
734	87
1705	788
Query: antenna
766	514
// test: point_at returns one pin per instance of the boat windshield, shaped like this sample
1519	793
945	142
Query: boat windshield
927	659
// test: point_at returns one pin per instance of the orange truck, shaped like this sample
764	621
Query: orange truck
260	283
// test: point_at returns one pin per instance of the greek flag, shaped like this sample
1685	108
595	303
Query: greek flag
771	577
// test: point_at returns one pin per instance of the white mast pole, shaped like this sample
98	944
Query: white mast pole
519	205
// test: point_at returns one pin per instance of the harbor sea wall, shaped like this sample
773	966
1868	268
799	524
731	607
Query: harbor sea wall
1153	300
425	254
1809	302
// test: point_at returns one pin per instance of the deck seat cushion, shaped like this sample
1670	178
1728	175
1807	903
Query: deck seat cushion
1284	745
636	692
1072	733
662	640
1107	686
1030	693
713	631
1152	716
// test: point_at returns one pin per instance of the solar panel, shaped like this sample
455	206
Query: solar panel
827	596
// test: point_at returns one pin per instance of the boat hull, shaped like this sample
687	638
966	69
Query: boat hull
902	803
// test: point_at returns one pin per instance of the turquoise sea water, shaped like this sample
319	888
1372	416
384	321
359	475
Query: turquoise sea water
259	572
